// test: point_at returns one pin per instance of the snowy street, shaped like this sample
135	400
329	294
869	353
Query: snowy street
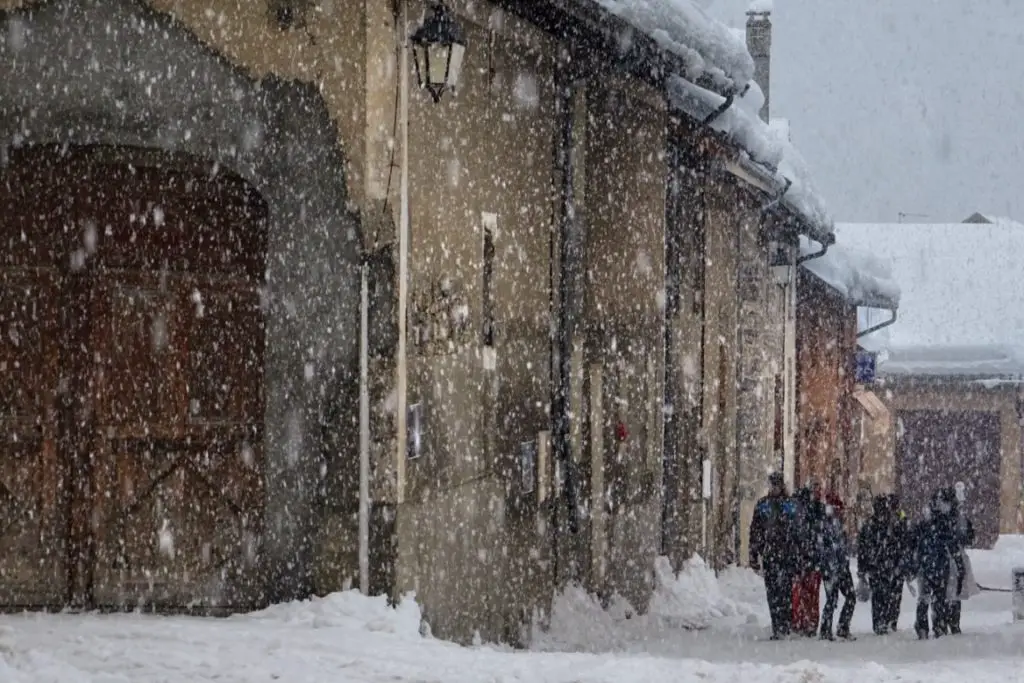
346	637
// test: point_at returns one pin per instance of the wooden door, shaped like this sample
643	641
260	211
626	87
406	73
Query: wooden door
939	448
32	519
178	484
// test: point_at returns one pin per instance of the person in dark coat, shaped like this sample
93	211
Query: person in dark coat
903	530
881	553
834	560
935	545
773	550
964	533
807	582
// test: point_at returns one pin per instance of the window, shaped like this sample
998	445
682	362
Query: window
414	431
490	227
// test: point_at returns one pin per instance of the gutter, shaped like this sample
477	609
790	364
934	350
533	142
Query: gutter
879	326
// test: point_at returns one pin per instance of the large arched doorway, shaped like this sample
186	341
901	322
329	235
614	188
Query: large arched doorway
131	380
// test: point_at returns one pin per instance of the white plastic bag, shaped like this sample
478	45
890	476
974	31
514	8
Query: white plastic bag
970	586
863	590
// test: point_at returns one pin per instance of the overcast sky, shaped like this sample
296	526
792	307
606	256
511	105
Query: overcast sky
902	105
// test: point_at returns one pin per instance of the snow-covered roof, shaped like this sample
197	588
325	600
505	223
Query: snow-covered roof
767	145
707	47
991	361
864	278
962	287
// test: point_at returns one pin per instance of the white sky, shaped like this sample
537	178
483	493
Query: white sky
910	105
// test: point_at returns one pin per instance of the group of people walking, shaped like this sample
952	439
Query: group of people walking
798	543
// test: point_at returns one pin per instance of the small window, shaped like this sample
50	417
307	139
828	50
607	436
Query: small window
414	431
780	411
528	466
490	227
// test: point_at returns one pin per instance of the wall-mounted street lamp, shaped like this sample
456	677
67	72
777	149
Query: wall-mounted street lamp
438	47
781	262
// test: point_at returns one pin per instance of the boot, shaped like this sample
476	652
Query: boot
922	634
826	635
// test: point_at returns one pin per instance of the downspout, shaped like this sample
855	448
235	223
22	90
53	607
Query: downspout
568	255
723	107
809	257
879	326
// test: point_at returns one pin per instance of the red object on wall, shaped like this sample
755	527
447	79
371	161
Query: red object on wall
621	432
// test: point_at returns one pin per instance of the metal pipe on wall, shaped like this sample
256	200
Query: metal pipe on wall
364	430
401	371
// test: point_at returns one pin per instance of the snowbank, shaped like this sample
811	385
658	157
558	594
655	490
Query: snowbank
862	277
691	600
349	610
768	146
707	46
992	568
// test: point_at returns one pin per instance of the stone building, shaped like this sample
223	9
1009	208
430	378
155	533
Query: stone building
572	271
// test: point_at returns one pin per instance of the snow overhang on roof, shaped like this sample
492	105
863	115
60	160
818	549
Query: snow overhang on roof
859	276
709	51
762	145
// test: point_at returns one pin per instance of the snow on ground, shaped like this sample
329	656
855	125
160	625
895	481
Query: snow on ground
346	637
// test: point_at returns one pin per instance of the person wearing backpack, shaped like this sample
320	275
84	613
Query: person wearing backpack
773	551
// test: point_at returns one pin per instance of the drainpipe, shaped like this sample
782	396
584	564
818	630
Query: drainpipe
568	257
879	326
723	107
401	371
364	429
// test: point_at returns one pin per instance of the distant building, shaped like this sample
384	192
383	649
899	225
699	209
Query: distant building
950	369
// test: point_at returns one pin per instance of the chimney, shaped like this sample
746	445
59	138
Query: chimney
759	45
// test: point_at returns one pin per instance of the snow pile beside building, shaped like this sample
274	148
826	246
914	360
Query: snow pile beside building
859	275
349	610
691	600
708	47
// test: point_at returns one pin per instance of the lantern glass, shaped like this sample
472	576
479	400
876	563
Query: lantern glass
458	51
438	50
437	65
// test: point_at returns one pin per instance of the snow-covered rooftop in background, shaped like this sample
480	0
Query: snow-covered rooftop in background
962	361
962	286
761	6
767	145
863	277
708	47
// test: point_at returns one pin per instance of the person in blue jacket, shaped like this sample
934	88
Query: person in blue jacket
774	551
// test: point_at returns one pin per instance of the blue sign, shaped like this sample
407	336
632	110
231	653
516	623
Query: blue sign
864	366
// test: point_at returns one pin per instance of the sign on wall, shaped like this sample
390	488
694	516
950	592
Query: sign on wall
864	366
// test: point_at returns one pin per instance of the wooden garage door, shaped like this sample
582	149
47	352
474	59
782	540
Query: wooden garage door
131	371
940	448
32	519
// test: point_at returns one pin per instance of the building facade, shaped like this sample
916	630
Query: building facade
575	356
